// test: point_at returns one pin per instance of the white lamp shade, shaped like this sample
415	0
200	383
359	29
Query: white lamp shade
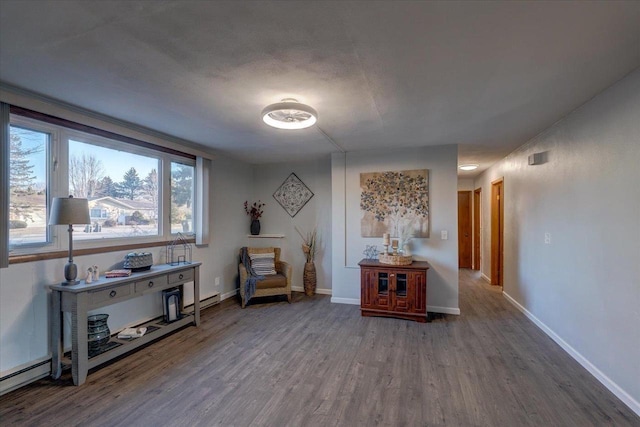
69	210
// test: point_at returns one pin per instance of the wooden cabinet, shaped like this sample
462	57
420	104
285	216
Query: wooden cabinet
394	291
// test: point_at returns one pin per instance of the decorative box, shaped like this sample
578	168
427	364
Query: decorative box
138	261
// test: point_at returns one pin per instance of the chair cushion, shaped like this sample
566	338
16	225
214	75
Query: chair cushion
273	281
263	264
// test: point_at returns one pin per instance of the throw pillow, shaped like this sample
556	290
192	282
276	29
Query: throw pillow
263	264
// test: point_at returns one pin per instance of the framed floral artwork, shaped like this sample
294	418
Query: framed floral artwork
293	194
391	202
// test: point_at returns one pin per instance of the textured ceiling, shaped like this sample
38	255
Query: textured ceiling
487	76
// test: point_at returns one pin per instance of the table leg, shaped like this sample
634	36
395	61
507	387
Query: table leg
196	296
79	344
56	335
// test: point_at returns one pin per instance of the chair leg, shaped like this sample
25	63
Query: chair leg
244	304
289	298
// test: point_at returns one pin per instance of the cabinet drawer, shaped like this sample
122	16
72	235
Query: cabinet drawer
181	277
151	284
99	297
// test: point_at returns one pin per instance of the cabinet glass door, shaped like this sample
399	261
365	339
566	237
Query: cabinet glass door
401	284
383	283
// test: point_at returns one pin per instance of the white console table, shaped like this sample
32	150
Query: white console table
79	299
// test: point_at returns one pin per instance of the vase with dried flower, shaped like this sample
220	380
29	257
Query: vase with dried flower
255	212
309	248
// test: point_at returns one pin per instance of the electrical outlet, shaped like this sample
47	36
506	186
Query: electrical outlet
547	238
217	281
444	235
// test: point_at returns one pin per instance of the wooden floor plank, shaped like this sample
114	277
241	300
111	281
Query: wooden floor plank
313	363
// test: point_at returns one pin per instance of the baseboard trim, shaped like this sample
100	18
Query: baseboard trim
228	295
626	398
321	291
351	301
443	310
485	278
25	374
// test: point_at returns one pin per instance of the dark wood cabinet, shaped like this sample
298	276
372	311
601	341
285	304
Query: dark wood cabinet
394	291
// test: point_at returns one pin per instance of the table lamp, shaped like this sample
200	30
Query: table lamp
69	211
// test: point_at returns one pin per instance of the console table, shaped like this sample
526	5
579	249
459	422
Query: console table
394	291
79	299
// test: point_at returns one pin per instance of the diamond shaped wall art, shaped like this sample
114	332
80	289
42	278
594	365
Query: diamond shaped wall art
293	194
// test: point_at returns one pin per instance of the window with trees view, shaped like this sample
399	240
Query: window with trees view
27	186
122	181
122	189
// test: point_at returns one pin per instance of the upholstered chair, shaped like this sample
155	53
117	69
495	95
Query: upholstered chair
277	284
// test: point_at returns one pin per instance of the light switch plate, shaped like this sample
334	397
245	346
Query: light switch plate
444	235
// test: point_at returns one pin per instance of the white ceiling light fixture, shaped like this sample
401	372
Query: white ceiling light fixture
468	167
289	114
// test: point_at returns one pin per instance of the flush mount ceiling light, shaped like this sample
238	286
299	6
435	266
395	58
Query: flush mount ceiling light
468	167
289	114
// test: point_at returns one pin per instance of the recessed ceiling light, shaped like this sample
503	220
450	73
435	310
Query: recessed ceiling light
289	114
468	167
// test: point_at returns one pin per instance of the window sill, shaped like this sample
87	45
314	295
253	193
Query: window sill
18	259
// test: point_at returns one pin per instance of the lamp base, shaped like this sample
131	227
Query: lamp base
70	283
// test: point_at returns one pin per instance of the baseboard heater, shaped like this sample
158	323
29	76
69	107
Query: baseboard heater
207	302
25	375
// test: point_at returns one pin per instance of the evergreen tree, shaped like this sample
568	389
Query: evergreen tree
182	184
106	187
150	187
131	185
21	178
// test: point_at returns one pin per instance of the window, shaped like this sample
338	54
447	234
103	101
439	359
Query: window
182	196
122	189
28	186
122	178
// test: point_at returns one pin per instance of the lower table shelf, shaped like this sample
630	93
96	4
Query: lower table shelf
156	328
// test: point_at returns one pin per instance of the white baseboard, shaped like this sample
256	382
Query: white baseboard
628	400
444	310
24	374
228	295
485	278
321	291
352	301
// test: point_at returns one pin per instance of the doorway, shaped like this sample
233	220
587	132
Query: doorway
464	229
497	232
476	228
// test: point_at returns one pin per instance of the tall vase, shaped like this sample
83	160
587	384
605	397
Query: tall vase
255	227
309	278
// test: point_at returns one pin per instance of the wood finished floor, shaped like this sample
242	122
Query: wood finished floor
313	363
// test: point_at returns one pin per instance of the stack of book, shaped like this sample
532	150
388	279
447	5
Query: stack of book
117	273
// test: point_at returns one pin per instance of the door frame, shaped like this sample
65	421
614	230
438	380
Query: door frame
477	200
497	232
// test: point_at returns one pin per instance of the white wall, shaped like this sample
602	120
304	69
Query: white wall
316	174
583	287
348	245
465	184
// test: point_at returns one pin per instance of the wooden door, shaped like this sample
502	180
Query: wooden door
476	228
497	232
418	284
464	229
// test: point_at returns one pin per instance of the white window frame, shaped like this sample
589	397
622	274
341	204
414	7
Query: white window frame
58	184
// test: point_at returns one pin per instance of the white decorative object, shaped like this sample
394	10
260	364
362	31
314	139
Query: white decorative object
89	277
96	273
